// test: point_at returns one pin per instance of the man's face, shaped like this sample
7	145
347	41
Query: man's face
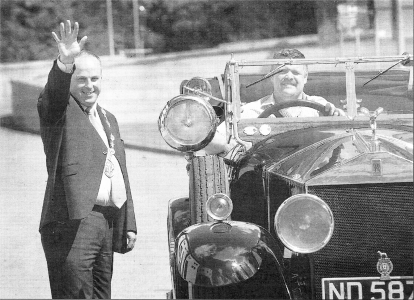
288	84
85	85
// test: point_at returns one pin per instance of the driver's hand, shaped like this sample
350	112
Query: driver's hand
333	111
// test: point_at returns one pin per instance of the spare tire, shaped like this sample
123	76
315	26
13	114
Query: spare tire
207	176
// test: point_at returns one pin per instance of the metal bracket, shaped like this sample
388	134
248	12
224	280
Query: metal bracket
351	100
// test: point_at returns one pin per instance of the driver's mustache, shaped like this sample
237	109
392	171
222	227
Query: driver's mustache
288	81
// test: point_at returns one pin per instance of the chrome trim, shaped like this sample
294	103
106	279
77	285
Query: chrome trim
399	144
212	259
171	141
360	142
334	61
375	144
306	149
312	164
351	101
220	196
358	170
250	130
376	164
309	198
384	266
265	129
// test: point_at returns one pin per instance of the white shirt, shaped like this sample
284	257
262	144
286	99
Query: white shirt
255	108
106	189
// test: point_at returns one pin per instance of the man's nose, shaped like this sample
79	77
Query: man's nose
289	75
88	83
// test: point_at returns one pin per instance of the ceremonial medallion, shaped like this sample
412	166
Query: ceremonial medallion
109	168
384	266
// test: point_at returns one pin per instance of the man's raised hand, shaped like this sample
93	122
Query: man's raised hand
68	44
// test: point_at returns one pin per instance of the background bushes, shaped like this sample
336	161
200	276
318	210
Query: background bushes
166	25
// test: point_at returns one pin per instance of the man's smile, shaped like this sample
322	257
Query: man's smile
88	93
288	84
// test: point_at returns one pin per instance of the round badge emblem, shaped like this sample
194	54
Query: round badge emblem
265	129
384	266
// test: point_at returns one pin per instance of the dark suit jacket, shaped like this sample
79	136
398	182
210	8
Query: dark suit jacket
75	158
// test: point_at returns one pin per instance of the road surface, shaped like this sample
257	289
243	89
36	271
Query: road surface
141	273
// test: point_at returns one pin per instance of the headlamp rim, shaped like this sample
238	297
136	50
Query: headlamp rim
172	142
288	244
221	196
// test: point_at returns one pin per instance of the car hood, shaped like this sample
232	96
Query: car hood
315	156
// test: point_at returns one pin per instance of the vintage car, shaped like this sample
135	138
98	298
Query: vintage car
301	208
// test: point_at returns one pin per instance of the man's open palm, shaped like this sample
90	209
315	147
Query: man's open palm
68	43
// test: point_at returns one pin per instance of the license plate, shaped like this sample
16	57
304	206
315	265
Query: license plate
398	287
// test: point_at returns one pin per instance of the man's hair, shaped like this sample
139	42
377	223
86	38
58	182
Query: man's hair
288	53
88	53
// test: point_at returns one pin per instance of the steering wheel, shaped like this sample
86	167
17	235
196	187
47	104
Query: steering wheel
274	109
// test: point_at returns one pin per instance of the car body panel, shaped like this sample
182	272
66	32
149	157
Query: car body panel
225	252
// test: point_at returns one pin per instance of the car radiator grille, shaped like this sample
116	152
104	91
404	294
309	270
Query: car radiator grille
368	218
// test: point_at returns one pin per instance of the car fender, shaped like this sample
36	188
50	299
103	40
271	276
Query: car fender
224	253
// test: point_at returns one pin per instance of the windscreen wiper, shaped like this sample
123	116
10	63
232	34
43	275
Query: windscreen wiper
270	74
404	62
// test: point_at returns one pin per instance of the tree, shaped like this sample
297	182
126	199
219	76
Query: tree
326	17
169	25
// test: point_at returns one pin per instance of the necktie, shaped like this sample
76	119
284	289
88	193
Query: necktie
96	122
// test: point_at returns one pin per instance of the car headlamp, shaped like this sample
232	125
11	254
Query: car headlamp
198	84
304	223
187	123
219	206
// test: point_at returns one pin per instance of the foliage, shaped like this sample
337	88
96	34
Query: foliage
200	24
166	25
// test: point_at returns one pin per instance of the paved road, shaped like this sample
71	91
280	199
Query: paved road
142	273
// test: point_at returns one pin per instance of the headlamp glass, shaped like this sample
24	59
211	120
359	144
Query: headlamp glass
304	223
187	123
219	206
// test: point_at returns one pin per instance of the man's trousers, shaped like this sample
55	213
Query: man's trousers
79	255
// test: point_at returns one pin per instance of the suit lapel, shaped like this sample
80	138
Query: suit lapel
104	121
81	120
109	128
